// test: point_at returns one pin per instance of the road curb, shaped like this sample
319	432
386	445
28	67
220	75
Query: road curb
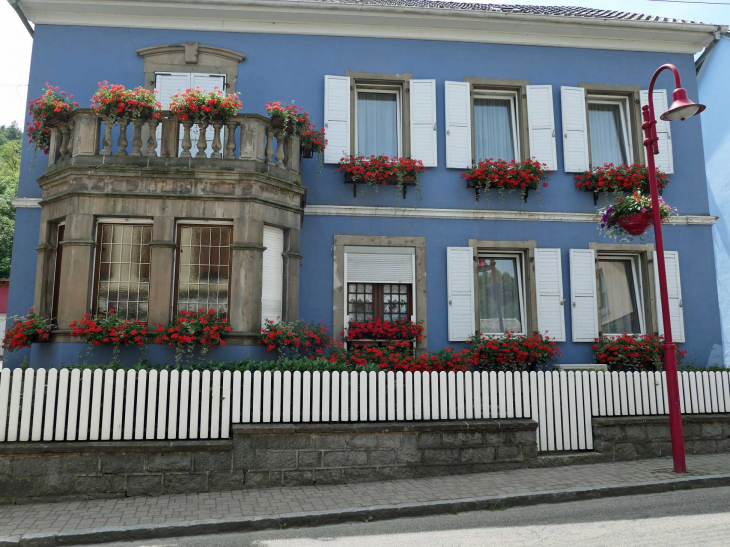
337	516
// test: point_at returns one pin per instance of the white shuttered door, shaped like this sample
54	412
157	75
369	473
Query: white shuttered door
575	129
168	85
337	117
664	160
674	290
460	289
272	281
206	82
423	122
458	124
583	295
550	303
541	124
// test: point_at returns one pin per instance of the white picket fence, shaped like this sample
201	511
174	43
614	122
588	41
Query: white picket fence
40	405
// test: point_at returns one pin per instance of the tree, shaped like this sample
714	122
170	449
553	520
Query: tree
11	139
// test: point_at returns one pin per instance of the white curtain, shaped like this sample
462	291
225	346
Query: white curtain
607	142
493	130
499	297
618	306
377	123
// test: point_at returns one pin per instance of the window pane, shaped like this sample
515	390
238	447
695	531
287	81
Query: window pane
617	297
377	123
123	271
499	298
607	138
203	268
493	130
395	302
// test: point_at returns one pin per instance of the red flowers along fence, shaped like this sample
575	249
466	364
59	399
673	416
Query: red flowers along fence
512	176
26	330
632	352
191	331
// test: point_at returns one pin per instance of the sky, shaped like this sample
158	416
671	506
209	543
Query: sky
14	38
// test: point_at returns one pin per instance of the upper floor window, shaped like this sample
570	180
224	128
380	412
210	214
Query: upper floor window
609	120
379	120
122	280
497	110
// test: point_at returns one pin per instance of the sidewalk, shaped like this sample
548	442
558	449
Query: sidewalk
68	523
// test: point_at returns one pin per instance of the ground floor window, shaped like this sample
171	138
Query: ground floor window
501	287
386	301
203	267
620	294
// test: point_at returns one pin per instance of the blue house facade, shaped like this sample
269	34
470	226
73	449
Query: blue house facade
446	84
713	81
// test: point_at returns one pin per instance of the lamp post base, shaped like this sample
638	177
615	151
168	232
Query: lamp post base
675	416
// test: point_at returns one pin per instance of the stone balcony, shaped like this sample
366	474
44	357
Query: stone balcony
99	172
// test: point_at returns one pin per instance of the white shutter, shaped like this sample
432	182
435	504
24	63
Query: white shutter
458	124
674	290
206	82
168	84
379	268
423	122
460	288
664	160
541	125
272	281
575	129
550	303
583	295
337	117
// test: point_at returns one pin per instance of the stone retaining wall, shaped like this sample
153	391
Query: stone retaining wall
301	454
637	437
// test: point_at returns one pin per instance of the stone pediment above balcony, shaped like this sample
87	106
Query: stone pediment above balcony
247	159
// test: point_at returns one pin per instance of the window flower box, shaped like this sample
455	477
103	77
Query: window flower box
618	178
631	216
381	171
116	103
512	176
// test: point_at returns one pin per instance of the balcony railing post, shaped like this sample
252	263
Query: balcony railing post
137	138
202	141
152	123
216	146
270	145
280	148
65	133
253	139
122	140
186	142
231	142
107	142
170	141
54	146
87	127
293	152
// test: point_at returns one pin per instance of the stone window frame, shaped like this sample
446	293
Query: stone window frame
645	253
527	250
189	58
399	81
339	287
511	86
633	94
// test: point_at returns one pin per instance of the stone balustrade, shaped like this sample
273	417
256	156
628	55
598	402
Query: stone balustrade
168	142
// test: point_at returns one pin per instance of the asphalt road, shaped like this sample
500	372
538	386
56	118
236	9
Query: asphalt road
693	517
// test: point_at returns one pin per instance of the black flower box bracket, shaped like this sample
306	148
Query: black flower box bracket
478	190
408	180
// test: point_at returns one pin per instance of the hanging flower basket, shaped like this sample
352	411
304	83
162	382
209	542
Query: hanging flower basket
49	110
630	216
636	224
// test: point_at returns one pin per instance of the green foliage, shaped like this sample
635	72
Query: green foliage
10	147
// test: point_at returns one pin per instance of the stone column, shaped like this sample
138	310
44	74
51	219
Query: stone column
45	266
292	263
76	286
162	272
86	134
247	252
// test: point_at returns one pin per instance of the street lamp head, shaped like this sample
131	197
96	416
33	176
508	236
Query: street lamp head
682	107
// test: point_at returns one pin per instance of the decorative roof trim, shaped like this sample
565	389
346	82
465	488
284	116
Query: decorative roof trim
379	21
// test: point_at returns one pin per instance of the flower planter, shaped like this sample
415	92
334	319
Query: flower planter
636	224
408	180
364	343
307	152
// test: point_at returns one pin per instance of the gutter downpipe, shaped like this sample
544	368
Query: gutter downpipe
22	16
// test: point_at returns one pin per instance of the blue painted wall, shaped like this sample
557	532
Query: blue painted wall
290	68
714	83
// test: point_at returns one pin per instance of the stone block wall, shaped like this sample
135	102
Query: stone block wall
115	469
637	437
302	454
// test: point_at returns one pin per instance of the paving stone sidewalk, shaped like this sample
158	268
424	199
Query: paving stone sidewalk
19	520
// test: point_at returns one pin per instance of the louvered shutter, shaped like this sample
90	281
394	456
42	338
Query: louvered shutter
460	289
575	129
583	295
674	290
458	124
337	117
379	268
167	85
664	159
423	122
541	125
272	280
550	303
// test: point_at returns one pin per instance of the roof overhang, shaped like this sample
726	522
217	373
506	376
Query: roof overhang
375	21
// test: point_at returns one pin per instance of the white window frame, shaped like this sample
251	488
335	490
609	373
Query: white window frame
635	261
386	90
625	117
520	257
510	96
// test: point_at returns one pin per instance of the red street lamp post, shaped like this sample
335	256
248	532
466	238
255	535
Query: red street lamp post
681	109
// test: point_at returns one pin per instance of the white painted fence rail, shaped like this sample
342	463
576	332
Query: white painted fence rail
129	405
